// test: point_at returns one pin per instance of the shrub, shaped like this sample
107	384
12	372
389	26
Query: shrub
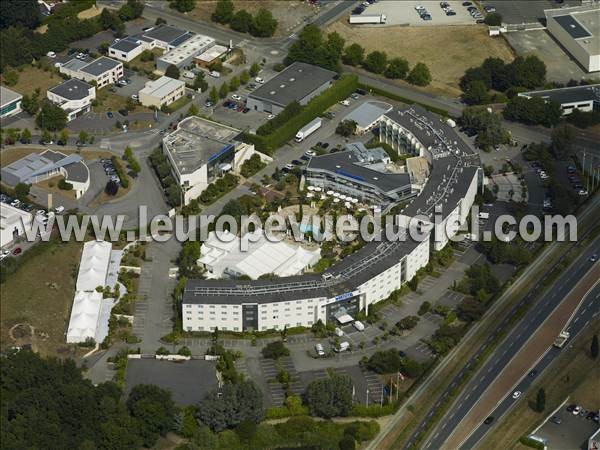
275	350
64	185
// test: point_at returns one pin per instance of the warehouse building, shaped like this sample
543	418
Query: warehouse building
370	274
166	37
102	71
360	173
578	31
583	98
299	82
73	96
183	55
200	151
161	92
10	102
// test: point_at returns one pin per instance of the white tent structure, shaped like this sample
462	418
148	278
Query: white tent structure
223	259
90	311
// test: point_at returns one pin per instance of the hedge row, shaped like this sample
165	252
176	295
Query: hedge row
339	90
120	172
399	98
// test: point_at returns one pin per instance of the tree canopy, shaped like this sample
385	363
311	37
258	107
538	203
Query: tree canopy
330	397
313	48
25	13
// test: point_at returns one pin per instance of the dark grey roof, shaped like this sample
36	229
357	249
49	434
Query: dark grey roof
73	89
76	170
293	84
100	65
572	26
166	33
345	164
188	381
181	39
573	94
126	45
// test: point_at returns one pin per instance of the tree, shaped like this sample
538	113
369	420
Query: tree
63	138
22	191
131	10
263	24
346	128
111	188
540	400
172	72
347	442
192	111
493	19
155	410
31	104
244	77
200	83
408	322
254	69
26	136
51	117
476	93
25	13
213	95
234	84
275	350
223	90
330	397
242	21
419	75
533	111
235	404
353	55
397	69
563	140
83	137
188	258
529	72
488	126
375	62
182	5
594	347
130	104
223	11
11	77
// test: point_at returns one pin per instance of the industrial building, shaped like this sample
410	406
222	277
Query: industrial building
222	256
166	37
583	98
299	82
13	223
10	102
161	92
99	267
200	151
183	55
102	71
360	173
73	96
578	31
370	274
37	167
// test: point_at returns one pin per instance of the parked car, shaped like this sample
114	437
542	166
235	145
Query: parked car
555	419
489	9
51	55
259	80
208	103
345	102
17	251
236	97
110	115
246	110
270	116
59	209
576	410
338	332
124	112
297	162
358	325
320	350
214	74
135	97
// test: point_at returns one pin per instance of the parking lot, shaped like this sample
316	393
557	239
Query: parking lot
572	431
520	11
136	84
405	13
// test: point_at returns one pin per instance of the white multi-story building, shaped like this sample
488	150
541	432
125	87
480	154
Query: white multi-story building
73	96
372	273
13	223
161	92
102	71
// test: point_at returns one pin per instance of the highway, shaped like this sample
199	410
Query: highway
589	309
510	346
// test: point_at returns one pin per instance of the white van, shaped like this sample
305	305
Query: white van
188	74
214	74
338	332
343	347
358	325
320	350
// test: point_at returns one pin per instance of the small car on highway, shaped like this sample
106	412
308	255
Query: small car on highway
516	394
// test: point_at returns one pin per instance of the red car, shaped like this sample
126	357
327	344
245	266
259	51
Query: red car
17	251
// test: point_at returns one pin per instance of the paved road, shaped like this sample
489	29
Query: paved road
509	347
588	310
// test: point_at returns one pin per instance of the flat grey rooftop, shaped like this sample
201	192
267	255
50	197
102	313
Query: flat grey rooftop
126	44
100	65
188	381
573	94
73	89
76	64
293	83
196	140
368	112
168	33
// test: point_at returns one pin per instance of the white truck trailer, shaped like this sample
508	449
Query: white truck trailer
367	19
308	129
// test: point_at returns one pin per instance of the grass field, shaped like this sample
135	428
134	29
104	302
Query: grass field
288	13
31	78
574	375
51	185
447	50
40	294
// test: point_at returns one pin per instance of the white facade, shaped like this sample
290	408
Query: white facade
10	102
161	92
93	71
127	53
13	223
73	107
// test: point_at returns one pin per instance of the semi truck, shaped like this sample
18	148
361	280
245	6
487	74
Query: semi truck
308	129
368	18
562	339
